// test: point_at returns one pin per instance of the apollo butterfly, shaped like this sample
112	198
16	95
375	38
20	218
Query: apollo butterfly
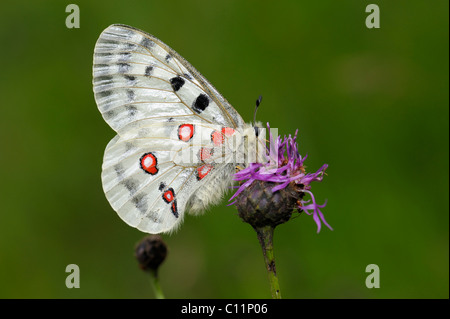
178	140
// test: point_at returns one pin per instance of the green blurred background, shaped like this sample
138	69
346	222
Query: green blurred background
373	104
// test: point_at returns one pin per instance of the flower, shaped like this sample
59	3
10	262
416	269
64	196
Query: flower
273	189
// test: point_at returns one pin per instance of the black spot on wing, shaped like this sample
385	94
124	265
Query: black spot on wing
124	68
140	202
131	185
106	105
124	56
129	146
118	168
131	79
168	58
103	79
148	70
131	110
162	186
102	94
109	115
201	103
130	46
177	83
130	95
147	43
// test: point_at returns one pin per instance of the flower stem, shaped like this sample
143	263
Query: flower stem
155	284
265	236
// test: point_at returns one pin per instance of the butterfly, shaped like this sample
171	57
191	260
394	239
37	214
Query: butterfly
178	139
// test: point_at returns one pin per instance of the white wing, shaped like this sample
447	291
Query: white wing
138	78
142	166
154	99
138	194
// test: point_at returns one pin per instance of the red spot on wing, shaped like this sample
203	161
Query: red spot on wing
205	153
227	131
203	170
218	137
185	132
148	163
168	195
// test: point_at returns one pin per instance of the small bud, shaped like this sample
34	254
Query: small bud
151	252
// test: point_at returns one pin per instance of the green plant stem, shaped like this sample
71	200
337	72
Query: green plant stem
155	284
265	236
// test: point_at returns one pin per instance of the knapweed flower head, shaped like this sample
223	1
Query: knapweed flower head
270	191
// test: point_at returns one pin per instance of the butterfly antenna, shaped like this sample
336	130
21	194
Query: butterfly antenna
258	102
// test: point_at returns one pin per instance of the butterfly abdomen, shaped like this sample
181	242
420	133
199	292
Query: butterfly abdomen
212	191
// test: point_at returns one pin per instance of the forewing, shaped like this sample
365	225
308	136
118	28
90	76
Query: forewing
139	80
